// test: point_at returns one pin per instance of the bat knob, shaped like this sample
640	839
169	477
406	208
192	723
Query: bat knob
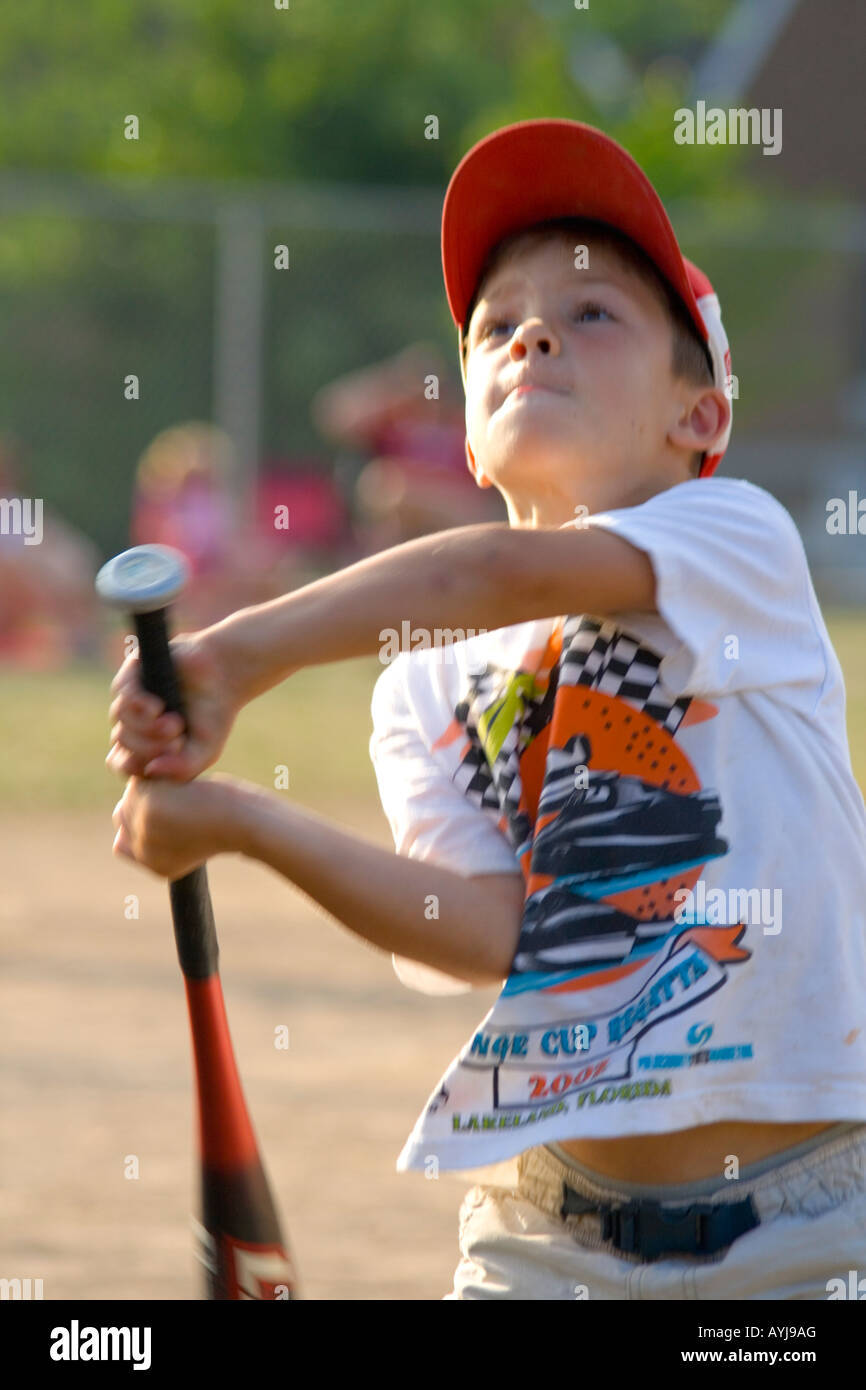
143	579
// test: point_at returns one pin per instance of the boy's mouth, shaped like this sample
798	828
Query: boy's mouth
531	388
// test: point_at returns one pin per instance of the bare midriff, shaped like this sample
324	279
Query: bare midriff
688	1155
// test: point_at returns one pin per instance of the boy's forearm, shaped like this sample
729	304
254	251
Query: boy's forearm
379	895
450	580
471	578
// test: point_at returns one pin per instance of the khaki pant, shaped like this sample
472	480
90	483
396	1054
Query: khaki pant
811	1201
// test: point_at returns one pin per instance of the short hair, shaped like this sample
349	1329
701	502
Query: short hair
690	359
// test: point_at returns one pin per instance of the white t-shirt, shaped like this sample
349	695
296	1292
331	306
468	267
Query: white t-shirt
676	789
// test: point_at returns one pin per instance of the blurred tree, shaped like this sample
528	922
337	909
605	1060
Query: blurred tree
339	90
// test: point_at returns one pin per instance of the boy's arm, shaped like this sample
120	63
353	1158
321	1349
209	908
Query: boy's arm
470	931
472	577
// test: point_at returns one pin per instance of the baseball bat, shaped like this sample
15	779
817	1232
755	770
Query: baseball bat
240	1242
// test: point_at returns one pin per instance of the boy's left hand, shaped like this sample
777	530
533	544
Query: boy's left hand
172	827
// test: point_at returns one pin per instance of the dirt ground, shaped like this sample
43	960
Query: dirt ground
97	1067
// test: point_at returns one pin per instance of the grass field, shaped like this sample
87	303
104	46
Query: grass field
55	737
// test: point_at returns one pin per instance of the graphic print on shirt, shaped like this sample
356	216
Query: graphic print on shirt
609	822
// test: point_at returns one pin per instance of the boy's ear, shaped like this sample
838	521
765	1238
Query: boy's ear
481	478
702	421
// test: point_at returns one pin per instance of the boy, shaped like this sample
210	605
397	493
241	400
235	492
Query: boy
629	798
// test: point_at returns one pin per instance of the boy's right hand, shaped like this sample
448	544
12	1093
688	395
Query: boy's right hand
146	741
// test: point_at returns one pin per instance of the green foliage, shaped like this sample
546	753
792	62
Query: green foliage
323	91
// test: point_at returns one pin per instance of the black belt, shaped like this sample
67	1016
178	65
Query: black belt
647	1228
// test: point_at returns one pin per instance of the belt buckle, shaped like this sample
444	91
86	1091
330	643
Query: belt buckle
645	1228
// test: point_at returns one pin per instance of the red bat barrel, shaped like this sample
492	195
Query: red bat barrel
242	1246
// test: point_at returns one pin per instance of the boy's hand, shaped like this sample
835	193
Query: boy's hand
172	829
145	741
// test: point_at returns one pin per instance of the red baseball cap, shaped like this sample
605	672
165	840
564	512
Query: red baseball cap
537	170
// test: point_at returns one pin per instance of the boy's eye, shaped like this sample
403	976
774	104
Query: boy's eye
590	309
496	326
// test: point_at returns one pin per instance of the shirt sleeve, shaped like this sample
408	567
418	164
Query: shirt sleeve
732	584
430	818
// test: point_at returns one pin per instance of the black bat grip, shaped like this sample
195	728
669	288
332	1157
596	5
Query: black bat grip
191	910
157	667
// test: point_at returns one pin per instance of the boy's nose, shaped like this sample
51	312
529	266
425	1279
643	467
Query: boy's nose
532	335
